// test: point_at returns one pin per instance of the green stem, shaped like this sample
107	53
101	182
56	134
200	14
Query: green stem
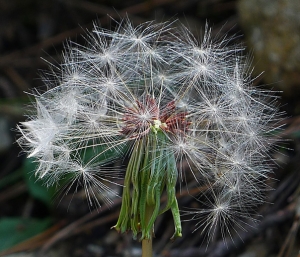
147	247
147	242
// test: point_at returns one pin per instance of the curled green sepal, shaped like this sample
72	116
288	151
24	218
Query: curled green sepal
177	221
151	171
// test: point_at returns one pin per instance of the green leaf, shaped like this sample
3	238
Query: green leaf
16	230
104	153
37	187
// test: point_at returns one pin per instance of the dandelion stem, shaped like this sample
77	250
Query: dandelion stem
147	242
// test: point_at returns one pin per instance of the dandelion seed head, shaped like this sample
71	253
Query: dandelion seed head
184	108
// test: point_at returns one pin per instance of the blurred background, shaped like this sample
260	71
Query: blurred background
35	221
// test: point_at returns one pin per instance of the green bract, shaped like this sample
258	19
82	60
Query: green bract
151	171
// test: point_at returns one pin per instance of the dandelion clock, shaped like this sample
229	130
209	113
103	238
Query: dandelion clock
170	105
